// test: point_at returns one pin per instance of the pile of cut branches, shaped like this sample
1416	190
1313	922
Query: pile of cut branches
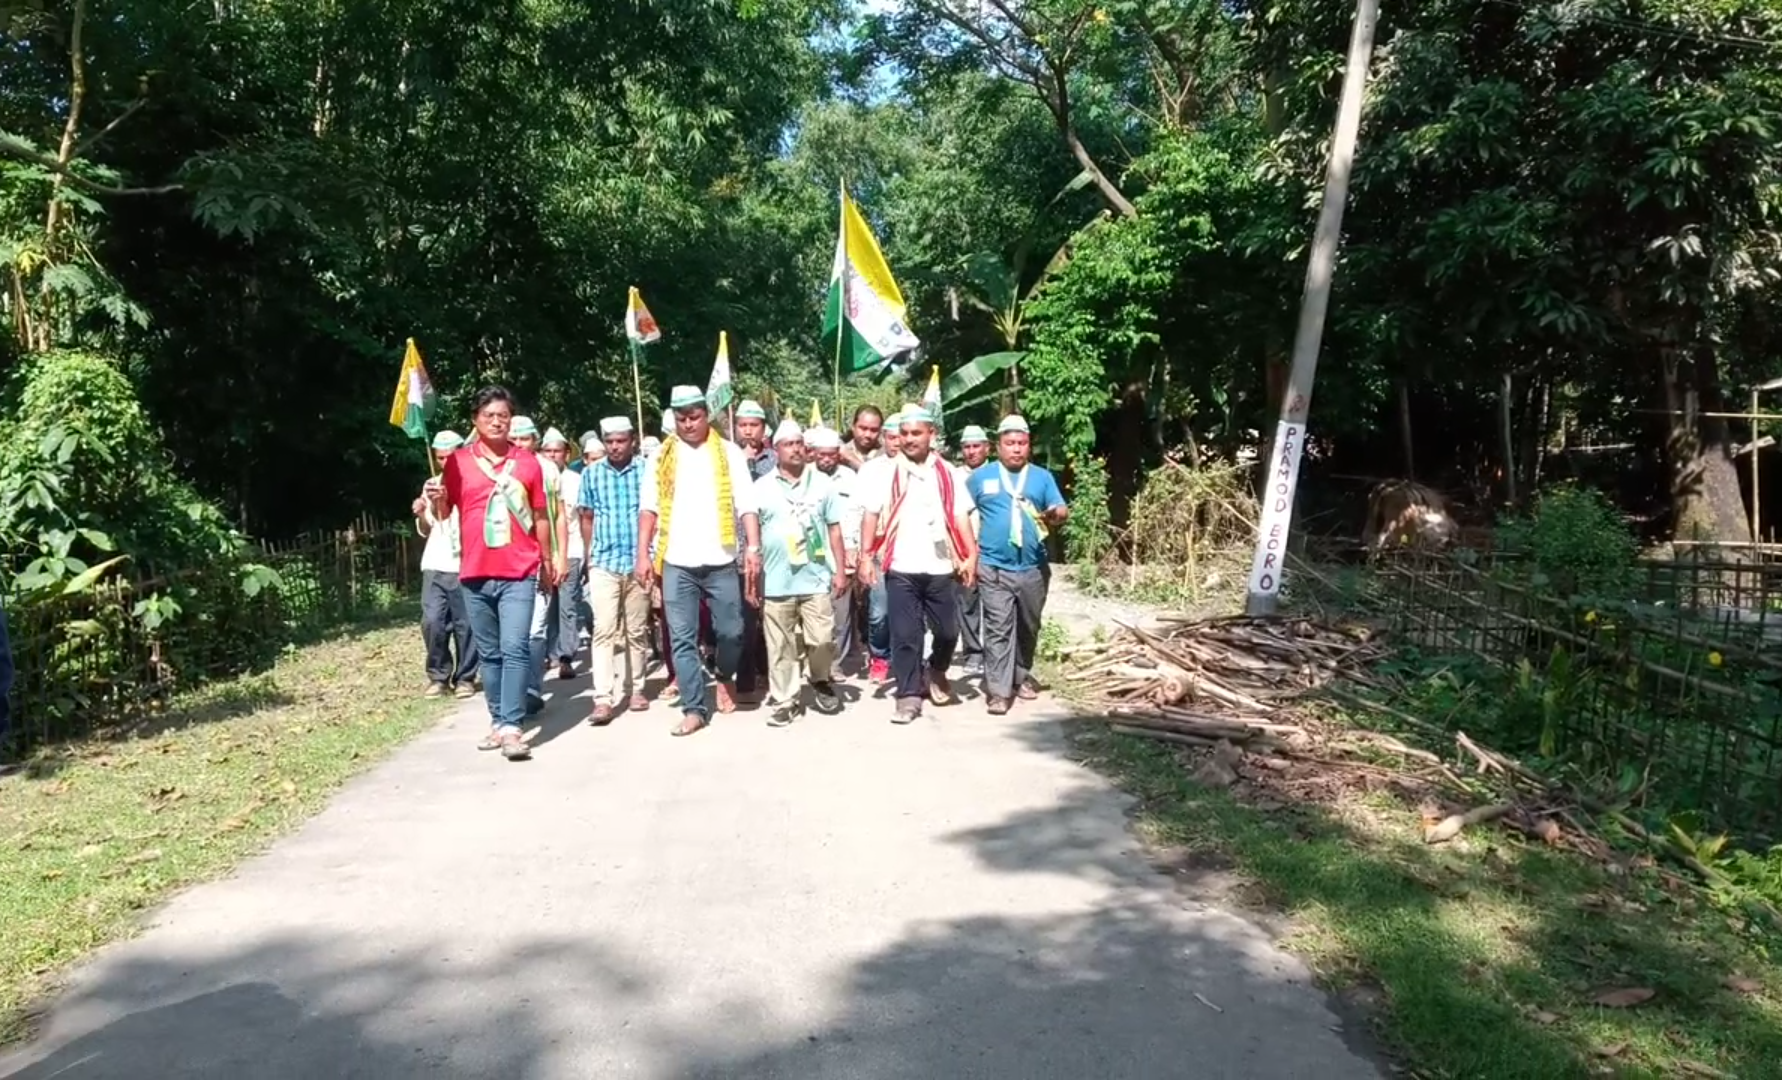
1230	692
1213	680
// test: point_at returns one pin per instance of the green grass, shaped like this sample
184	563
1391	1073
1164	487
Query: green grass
1483	956
93	833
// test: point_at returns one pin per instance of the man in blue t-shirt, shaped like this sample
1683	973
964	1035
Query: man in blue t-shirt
1018	505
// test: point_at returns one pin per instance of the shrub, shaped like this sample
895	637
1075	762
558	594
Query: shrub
1088	532
1575	540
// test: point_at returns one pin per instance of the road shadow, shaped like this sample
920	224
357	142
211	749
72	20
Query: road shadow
283	1009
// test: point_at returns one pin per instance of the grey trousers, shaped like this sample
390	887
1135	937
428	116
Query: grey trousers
1013	601
971	623
445	623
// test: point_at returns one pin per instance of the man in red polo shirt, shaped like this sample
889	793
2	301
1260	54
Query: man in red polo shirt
499	493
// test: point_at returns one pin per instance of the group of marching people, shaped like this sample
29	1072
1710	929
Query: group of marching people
754	558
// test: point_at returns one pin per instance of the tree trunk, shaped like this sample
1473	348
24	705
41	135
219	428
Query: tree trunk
1507	436
1404	429
1706	504
52	217
1102	184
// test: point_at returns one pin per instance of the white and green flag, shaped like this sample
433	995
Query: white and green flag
865	310
718	391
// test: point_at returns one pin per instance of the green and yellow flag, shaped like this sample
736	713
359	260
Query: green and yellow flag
865	309
412	408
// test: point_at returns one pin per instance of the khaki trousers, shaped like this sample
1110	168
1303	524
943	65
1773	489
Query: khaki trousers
798	628
621	622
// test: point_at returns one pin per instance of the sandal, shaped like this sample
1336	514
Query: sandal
514	746
491	741
940	689
726	698
691	724
601	716
638	703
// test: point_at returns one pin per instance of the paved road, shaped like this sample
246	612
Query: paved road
843	898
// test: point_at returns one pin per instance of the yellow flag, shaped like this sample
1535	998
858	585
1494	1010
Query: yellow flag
413	404
932	398
816	413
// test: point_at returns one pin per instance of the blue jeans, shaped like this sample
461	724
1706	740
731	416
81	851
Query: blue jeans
536	635
682	589
878	620
501	618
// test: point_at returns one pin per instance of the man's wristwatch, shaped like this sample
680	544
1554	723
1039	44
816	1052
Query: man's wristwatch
753	549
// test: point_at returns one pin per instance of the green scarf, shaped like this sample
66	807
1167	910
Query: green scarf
1021	511
807	517
507	504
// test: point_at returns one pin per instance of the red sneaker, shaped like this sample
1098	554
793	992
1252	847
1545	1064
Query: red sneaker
879	670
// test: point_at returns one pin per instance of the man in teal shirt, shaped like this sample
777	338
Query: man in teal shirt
802	561
1018	505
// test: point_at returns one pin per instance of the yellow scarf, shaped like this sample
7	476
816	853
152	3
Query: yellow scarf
665	493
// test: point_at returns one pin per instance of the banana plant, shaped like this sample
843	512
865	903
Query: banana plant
995	288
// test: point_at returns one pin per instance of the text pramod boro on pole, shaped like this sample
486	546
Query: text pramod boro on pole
1277	513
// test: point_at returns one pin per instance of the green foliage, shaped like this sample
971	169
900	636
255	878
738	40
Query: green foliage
1576	541
778	373
1089	531
86	471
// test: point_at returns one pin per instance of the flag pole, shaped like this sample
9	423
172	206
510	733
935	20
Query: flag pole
841	314
637	382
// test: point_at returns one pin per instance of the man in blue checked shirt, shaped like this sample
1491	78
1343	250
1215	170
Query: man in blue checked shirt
611	490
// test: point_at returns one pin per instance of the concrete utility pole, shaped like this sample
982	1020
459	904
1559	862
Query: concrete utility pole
1290	432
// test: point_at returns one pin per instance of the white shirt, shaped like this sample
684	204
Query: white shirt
571	486
693	537
442	552
845	482
923	544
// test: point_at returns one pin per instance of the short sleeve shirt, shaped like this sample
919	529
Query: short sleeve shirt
922	540
468	491
999	496
571	487
694	539
795	520
612	494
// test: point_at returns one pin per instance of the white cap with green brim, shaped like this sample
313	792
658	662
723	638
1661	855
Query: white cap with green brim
522	428
751	410
915	414
972	434
686	397
447	440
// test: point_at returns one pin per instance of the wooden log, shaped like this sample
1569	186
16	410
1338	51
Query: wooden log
1449	827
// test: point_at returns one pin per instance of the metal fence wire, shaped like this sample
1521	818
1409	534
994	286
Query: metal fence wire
1677	683
101	660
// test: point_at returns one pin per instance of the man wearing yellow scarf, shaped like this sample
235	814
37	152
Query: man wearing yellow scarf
697	497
